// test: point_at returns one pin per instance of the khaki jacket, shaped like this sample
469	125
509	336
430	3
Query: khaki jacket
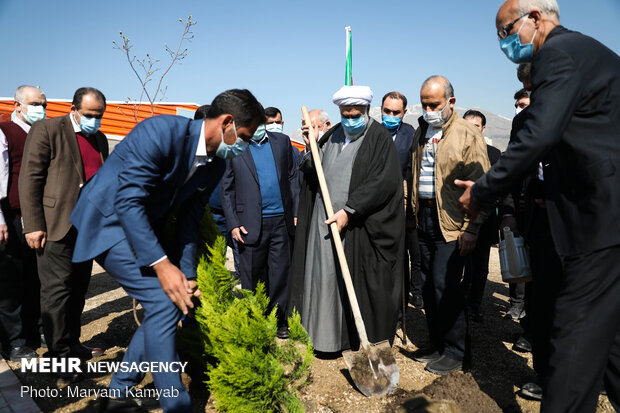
461	154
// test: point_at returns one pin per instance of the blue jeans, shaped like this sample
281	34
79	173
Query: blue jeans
155	339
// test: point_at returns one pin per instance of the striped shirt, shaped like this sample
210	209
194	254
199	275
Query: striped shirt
427	170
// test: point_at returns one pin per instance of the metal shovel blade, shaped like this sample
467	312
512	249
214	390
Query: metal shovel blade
374	370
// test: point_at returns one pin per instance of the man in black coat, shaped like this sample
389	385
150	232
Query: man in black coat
572	122
365	185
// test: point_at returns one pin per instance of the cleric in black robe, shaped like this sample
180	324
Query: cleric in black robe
363	176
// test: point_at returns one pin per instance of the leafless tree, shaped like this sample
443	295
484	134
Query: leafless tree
146	68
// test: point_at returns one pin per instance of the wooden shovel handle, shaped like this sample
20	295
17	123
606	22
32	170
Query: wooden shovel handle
342	259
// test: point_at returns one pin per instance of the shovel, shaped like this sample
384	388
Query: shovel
373	367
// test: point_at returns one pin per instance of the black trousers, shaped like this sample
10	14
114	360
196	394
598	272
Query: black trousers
476	273
20	312
413	270
444	297
269	261
585	339
516	293
63	290
540	299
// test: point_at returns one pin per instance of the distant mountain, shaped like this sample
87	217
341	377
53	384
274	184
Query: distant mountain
498	127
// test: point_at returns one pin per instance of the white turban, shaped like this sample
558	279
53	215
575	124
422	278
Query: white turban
353	95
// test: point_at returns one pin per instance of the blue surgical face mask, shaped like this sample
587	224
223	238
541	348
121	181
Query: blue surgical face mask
259	134
391	122
275	127
89	125
354	126
226	151
34	114
514	50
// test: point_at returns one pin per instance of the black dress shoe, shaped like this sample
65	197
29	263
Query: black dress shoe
282	332
85	353
125	405
65	379
444	365
23	352
417	302
522	344
426	355
531	391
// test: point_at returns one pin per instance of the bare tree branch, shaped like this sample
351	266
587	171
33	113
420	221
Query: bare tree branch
150	67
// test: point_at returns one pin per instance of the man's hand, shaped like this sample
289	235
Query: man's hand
341	218
295	221
306	134
36	240
236	234
467	243
175	284
194	287
511	222
466	203
4	234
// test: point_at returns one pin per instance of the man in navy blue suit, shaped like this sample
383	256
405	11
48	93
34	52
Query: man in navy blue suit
393	110
165	162
259	196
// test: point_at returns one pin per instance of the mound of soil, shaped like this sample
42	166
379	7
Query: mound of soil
463	390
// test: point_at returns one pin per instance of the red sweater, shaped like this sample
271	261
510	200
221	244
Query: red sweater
91	157
16	137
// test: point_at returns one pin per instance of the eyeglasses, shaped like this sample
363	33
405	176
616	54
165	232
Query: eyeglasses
502	33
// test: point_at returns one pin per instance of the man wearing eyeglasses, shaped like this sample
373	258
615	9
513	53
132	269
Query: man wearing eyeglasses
60	155
573	122
19	305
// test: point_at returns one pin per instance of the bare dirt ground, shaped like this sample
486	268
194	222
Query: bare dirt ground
490	386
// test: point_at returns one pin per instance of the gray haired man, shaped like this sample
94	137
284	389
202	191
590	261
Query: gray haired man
19	303
572	123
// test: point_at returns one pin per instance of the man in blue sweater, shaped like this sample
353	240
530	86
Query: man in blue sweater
259	194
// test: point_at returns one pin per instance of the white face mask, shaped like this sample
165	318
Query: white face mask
518	110
274	127
322	131
436	119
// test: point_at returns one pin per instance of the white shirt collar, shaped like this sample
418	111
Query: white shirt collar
22	124
201	151
259	143
76	126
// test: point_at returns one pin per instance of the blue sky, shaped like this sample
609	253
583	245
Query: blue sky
288	53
